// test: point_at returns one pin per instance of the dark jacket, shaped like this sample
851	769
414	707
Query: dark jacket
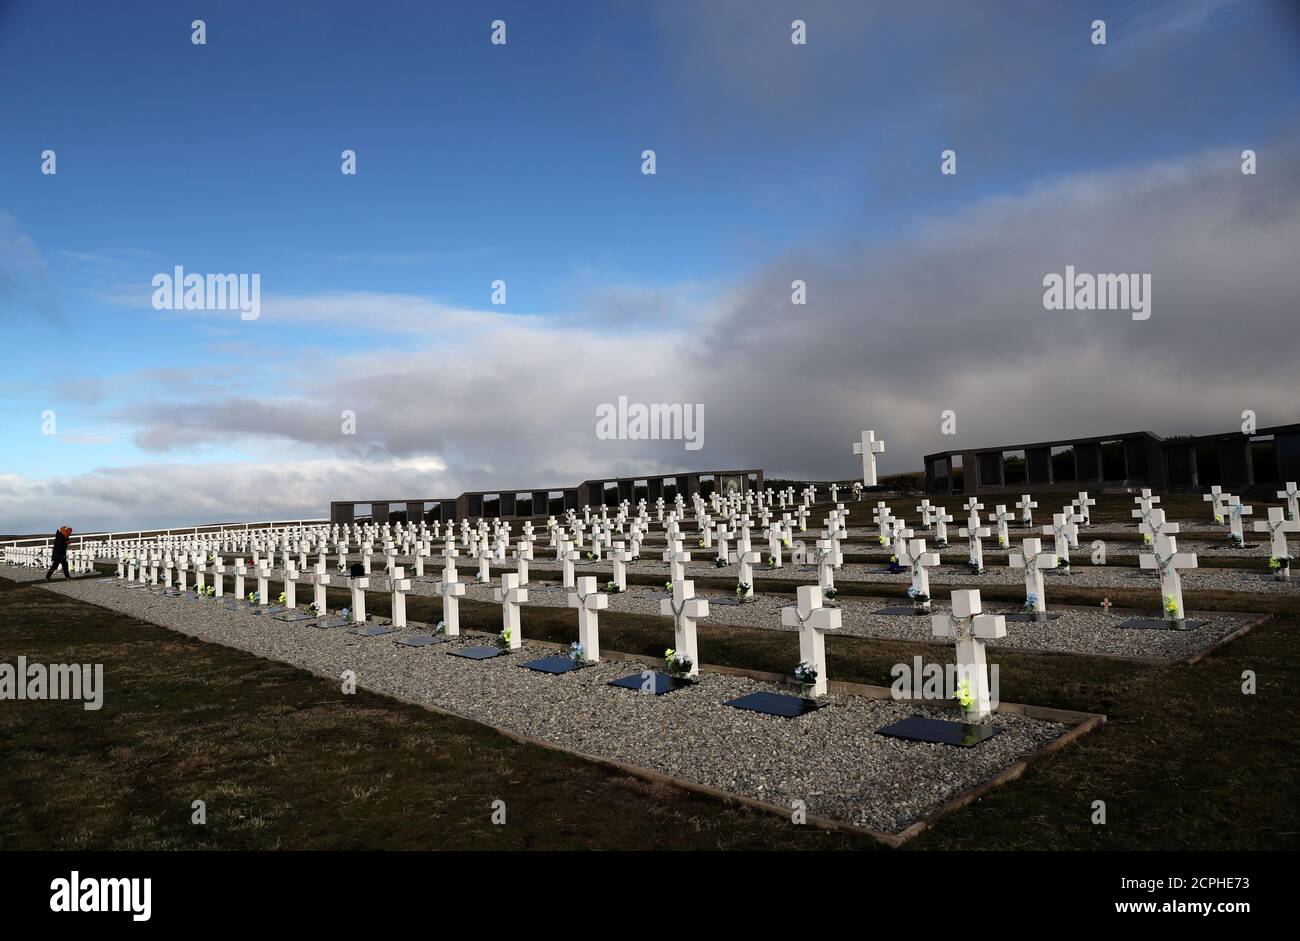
60	546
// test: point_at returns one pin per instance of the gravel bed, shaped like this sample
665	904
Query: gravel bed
25	573
953	575
828	759
1076	631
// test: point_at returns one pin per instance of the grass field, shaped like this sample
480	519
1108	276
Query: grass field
283	760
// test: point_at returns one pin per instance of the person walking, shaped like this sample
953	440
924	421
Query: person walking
60	552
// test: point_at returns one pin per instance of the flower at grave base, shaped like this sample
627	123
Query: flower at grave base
1002	541
720	563
668	585
701	543
281	598
1146	538
1171	606
314	609
252	597
577	653
676	663
805	673
1279	562
346	612
1062	563
1031	601
830	593
742	590
1218	517
503	639
612	588
964	697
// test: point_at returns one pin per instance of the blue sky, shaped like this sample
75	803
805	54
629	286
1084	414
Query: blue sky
522	162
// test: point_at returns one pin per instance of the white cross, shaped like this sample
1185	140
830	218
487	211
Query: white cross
927	511
619	558
1292	497
451	591
1002	516
1215	498
825	563
1083	501
290	584
1277	526
920	561
1026	507
685	609
941	521
1059	531
1236	511
971	628
1033	560
399	584
589	603
319	580
868	447
511	597
976	533
1167	560
676	560
1154	525
263	582
813	622
359	586
523	555
746	558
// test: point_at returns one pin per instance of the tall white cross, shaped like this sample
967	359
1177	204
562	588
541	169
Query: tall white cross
941	520
1154	525
359	585
511	598
1083	502
1292	497
589	603
523	555
970	628
868	447
1026	507
1215	498
1236	510
976	534
619	558
1060	534
676	560
399	585
319	580
1277	526
1002	517
1033	560
1167	561
813	622
685	609
920	561
452	591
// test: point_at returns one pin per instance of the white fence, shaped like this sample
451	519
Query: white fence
79	539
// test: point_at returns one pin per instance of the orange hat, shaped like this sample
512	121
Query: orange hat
66	530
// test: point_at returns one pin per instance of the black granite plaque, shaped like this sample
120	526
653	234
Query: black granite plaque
775	704
552	665
373	630
939	732
1159	624
903	610
331	623
652	682
476	653
1029	618
294	615
420	640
